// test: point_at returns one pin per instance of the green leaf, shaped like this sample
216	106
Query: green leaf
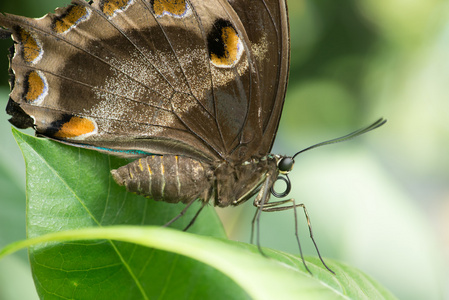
78	251
281	276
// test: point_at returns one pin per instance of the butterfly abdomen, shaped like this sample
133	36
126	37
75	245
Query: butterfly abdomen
167	178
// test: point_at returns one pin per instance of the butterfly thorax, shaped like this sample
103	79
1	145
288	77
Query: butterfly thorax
173	179
236	184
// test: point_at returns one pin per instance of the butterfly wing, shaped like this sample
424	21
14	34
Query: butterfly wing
165	77
267	28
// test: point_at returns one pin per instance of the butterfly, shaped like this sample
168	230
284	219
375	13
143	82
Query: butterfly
193	89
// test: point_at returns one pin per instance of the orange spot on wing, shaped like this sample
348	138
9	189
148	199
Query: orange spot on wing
111	6
72	17
35	87
31	49
76	127
172	7
231	43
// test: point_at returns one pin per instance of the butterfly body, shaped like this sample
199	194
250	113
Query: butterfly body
161	178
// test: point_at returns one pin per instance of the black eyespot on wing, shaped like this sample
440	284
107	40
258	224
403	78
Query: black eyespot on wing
224	44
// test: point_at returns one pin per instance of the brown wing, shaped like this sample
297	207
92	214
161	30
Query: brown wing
158	76
267	28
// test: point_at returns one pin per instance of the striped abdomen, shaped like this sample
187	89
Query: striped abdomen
167	178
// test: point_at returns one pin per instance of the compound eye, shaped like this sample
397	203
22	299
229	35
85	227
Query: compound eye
285	165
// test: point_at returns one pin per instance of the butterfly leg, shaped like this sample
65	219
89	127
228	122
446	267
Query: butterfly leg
206	195
262	197
180	214
203	204
276	206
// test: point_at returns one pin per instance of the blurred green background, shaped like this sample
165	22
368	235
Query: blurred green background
380	202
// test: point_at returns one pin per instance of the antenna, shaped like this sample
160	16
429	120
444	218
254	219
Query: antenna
347	137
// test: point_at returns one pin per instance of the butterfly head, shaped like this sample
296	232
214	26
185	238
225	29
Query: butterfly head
285	164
